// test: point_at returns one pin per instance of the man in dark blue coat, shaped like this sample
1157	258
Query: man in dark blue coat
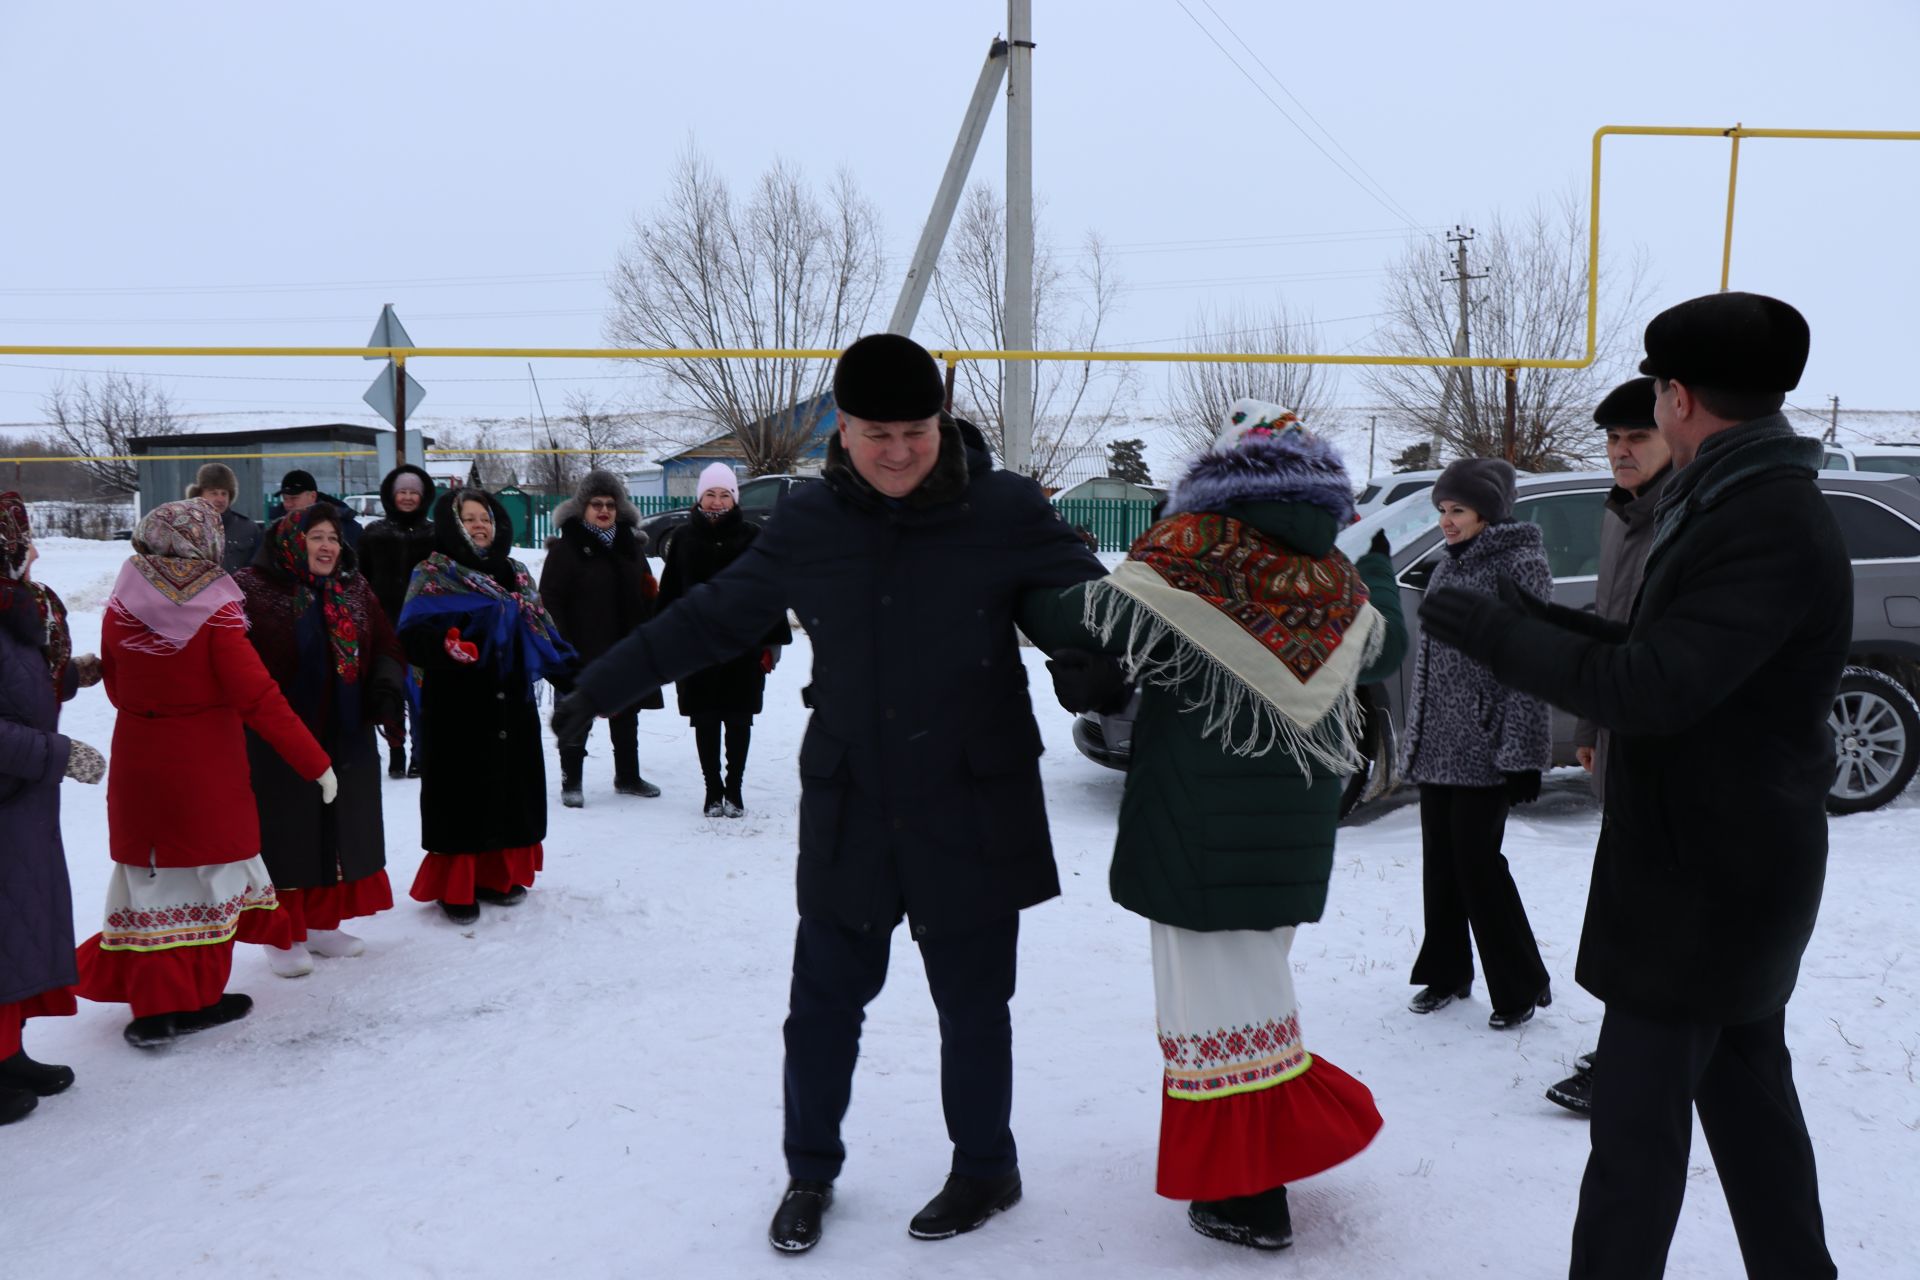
920	778
1713	848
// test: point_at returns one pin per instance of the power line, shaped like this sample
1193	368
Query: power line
1275	103
1272	75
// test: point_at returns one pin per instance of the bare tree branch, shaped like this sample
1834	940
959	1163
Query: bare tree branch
1532	305
1073	405
784	270
1198	394
100	418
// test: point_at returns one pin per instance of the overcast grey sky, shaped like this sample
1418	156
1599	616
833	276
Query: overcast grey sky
226	173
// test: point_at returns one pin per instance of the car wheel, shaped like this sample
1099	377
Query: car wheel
1876	740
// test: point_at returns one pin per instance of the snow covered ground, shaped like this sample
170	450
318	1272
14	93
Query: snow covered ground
589	1084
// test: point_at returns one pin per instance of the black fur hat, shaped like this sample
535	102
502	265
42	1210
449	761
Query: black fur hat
1627	407
1484	486
885	377
1730	342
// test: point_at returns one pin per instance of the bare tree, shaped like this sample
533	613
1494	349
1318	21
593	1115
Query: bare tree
597	428
786	269
100	418
1073	404
1532	305
1198	394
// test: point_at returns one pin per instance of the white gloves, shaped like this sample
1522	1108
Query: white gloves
329	786
84	764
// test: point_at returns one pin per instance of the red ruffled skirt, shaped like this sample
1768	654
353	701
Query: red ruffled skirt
1245	1107
179	979
57	1003
1246	1143
323	909
453	877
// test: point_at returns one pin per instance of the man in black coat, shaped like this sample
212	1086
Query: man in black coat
389	549
1713	848
298	491
920	779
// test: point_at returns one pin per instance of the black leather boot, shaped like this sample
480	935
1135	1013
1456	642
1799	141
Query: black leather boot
572	760
796	1223
964	1204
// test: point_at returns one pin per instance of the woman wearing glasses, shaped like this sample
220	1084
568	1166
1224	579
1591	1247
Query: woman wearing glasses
598	587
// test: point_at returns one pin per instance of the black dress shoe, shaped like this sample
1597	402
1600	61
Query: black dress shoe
1575	1093
1258	1221
1508	1019
16	1104
510	898
461	912
1433	999
40	1078
964	1204
796	1223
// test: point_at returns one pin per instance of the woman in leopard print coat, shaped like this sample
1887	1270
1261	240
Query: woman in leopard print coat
1475	747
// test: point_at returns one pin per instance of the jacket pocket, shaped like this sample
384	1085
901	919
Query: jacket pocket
1010	813
824	782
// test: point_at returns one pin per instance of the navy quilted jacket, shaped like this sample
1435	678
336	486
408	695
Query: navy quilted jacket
36	903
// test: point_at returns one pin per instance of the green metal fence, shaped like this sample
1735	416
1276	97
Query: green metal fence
1115	521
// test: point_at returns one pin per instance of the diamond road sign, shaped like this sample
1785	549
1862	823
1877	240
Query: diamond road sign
389	332
380	394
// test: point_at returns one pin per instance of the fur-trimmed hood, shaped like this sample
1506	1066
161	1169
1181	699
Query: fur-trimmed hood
1290	467
598	484
421	513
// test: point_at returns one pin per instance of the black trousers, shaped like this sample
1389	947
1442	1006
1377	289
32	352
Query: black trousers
1466	885
1652	1078
623	731
836	973
706	739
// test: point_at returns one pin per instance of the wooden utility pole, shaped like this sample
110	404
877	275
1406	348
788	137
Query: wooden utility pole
1460	238
1371	420
1507	441
1833	422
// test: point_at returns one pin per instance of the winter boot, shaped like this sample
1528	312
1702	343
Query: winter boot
796	1223
636	786
334	943
571	762
43	1079
626	768
1575	1093
397	762
413	766
1258	1221
715	805
157	1029
16	1104
290	962
461	912
964	1204
731	805
512	897
1434	999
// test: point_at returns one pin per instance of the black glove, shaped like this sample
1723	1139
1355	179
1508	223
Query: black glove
1084	681
572	716
1467	620
1379	545
1518	597
1523	787
383	704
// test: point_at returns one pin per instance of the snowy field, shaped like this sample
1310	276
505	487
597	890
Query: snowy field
589	1084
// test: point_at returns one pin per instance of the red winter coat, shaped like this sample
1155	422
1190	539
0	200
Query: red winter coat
178	792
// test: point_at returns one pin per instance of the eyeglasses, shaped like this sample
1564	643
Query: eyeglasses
603	504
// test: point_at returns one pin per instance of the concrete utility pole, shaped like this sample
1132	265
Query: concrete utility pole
1462	342
1016	322
933	236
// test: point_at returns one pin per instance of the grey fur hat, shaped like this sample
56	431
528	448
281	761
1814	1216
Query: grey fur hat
1483	485
215	475
598	484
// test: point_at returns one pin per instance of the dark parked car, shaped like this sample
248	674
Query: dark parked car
758	497
1876	720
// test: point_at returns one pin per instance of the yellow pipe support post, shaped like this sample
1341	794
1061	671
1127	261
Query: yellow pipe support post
1733	182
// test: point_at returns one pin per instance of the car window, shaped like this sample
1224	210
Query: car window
760	495
1872	532
1569	529
1900	465
1402	524
1368	494
1412	486
1835	462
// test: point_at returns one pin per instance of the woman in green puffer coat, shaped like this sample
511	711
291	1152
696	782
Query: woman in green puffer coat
1248	633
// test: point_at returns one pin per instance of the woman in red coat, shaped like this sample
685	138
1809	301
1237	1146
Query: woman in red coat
181	826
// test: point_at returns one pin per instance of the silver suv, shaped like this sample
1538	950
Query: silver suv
1875	719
